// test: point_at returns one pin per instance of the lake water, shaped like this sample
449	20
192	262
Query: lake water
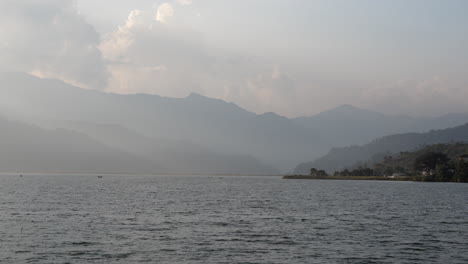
202	219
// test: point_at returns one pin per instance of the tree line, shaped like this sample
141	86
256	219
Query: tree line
438	163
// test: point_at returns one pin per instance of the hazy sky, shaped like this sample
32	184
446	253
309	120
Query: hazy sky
293	57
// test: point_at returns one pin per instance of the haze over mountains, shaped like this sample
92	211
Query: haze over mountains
348	125
195	134
27	148
178	157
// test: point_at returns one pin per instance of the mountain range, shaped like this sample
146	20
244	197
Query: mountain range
197	134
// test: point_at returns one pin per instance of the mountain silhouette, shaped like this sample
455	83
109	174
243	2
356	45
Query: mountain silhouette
212	127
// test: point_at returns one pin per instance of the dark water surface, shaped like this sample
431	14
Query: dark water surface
202	219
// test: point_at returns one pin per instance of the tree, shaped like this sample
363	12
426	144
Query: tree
428	162
317	173
444	172
461	171
388	171
313	171
400	169
321	173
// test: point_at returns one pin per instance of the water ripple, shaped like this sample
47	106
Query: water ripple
181	219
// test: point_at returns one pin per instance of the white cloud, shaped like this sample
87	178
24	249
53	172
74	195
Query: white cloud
170	60
50	39
117	42
141	47
162	56
134	19
164	12
158	51
141	55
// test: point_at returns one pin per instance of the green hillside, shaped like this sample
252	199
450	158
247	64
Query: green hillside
353	156
439	162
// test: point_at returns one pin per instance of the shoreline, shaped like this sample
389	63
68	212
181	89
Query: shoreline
354	178
135	174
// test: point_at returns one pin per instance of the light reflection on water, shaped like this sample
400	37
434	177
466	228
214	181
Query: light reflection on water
211	219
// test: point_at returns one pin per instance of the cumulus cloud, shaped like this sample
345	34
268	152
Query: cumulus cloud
164	12
50	39
148	56
154	51
172	60
146	53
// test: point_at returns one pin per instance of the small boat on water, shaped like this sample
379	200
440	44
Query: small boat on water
99	176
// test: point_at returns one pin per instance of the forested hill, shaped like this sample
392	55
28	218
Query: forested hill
348	157
433	157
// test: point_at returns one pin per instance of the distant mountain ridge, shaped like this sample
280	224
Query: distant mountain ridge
349	125
178	157
213	126
341	158
27	148
211	123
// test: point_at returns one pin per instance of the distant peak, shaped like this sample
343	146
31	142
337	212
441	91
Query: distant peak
347	107
196	95
272	115
347	110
